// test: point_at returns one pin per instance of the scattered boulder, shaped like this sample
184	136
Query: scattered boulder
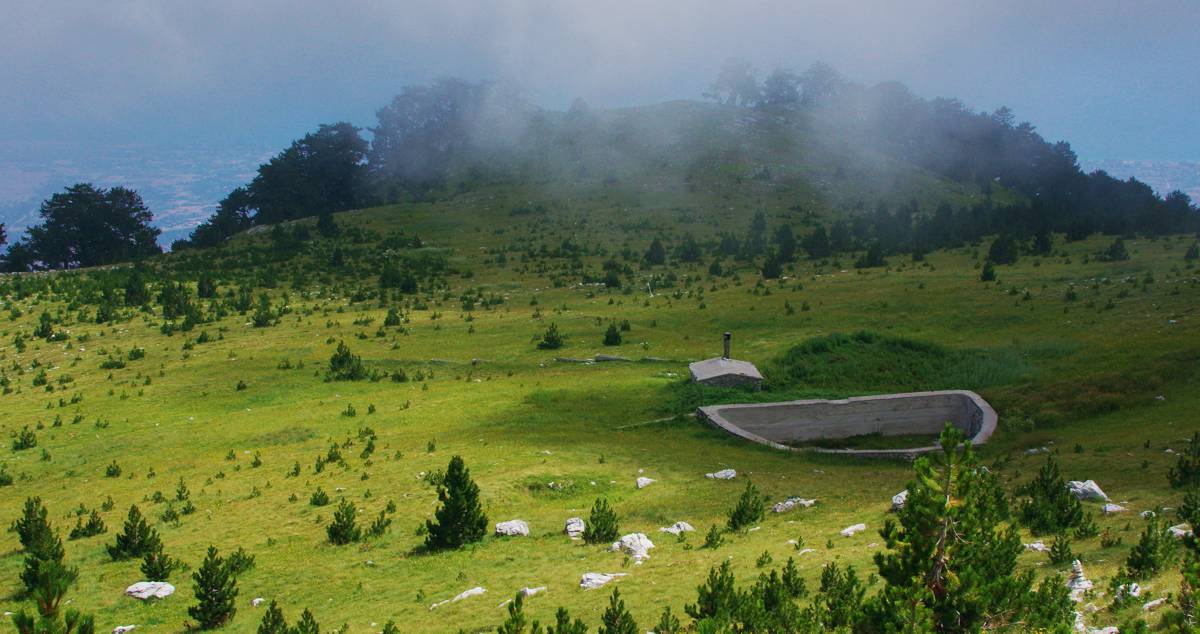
1037	547
1036	450
644	482
1151	606
512	528
593	580
525	592
1128	590
1147	514
636	545
677	528
465	594
1179	531
1087	490
723	474
257	601
575	527
1112	508
791	503
899	500
805	551
1078	582
122	629
849	531
144	590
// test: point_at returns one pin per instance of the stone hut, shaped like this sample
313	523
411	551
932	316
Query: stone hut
725	372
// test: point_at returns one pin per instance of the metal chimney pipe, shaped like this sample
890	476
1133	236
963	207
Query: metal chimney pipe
728	335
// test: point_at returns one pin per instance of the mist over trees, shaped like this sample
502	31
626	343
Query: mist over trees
453	134
320	173
85	225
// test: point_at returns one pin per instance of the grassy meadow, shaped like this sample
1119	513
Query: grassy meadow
1107	380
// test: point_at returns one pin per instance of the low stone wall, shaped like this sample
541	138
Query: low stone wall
775	424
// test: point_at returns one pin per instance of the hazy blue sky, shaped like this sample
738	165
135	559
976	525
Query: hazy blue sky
1116	78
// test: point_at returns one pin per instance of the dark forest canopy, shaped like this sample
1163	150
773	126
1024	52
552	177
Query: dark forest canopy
458	133
86	225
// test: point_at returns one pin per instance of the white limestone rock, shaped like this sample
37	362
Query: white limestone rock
723	474
1179	531
525	592
575	527
1087	490
465	594
122	629
791	503
512	528
644	482
1078	582
677	528
899	500
593	580
850	531
1112	508
257	601
1037	547
636	545
1151	606
144	590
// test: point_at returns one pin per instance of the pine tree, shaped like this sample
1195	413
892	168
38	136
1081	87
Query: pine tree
459	517
215	590
839	600
45	550
516	623
1152	553
345	365
32	524
564	625
952	560
668	623
602	524
307	624
616	619
749	510
49	589
1050	507
612	336
656	254
273	621
157	565
344	530
716	599
136	540
1060	550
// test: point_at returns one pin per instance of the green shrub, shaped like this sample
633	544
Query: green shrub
552	339
602	526
749	509
344	529
136	539
345	365
1186	472
1049	506
459	518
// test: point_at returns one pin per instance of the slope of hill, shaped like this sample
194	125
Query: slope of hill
217	379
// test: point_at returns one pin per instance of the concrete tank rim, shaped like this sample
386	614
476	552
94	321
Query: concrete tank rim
712	413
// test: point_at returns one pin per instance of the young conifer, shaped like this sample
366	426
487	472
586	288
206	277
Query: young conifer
215	590
602	524
136	539
459	519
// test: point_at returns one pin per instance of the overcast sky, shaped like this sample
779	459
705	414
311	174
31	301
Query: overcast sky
1116	78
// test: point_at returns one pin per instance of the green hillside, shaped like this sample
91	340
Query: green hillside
1092	358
